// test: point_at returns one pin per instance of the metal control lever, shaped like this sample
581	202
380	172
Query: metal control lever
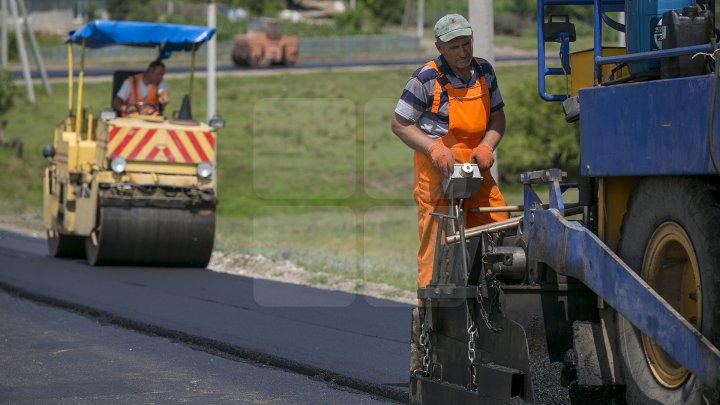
464	182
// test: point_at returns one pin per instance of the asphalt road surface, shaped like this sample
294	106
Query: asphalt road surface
224	68
344	339
52	356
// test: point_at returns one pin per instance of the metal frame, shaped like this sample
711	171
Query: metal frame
600	7
571	249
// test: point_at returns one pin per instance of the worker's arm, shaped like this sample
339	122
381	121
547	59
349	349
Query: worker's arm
123	94
482	155
495	129
163	94
119	104
413	137
163	97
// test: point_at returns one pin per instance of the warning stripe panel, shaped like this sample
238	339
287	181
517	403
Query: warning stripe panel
153	153
168	155
196	144
210	138
125	141
146	144
189	147
141	144
114	131
180	146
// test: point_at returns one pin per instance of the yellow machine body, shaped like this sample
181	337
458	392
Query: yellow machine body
130	190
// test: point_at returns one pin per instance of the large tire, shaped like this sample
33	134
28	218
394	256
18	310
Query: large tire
239	60
257	60
151	236
670	234
60	245
287	59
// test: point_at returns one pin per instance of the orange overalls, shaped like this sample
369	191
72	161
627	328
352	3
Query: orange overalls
150	100
468	114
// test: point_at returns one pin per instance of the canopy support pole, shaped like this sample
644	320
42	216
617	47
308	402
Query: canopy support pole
192	71
70	83
81	77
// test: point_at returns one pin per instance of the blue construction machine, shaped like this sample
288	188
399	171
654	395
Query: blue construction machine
613	298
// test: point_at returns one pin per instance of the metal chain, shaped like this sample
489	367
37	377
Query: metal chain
425	344
472	335
483	313
473	378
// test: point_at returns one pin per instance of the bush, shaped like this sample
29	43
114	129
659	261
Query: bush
7	91
131	10
370	16
511	24
537	135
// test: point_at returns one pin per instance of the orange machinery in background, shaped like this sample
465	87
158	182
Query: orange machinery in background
264	42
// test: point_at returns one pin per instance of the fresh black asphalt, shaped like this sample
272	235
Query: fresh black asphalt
347	339
53	356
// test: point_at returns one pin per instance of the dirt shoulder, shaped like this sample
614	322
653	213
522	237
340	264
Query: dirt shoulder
253	266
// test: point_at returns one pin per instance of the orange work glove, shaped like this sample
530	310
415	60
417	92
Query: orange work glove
483	156
442	158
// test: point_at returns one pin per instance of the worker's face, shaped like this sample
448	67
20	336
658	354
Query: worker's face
457	52
155	75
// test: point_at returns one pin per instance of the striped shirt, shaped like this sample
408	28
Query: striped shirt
417	97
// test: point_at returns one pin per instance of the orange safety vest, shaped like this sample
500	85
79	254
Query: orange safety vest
468	115
150	99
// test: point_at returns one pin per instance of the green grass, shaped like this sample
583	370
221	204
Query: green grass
308	169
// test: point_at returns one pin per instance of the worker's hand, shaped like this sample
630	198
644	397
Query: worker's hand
130	108
482	155
163	97
442	158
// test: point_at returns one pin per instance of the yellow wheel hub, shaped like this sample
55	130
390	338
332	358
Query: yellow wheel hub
670	267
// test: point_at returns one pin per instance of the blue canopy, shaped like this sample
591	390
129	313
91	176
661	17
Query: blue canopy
169	37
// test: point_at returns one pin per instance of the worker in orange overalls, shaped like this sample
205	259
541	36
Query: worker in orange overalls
450	111
143	93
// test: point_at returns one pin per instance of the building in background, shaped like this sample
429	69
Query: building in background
63	15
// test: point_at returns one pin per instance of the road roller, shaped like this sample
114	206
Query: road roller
132	190
609	294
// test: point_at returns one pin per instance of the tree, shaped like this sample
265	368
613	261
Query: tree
537	135
370	16
263	7
7	100
7	91
131	10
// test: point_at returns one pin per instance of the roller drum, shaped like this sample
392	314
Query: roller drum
152	236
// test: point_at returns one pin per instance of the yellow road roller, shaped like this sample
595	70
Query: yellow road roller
132	190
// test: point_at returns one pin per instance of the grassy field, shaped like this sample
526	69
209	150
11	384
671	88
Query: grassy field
308	169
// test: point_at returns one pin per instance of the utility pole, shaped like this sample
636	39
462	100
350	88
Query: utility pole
211	61
20	17
4	35
481	20
35	47
421	18
21	50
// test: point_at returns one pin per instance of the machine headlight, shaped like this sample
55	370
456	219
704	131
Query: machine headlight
217	122
118	164
108	115
204	170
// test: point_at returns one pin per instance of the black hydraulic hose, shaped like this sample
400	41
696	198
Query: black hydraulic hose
711	119
615	70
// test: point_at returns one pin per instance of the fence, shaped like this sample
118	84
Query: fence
307	48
